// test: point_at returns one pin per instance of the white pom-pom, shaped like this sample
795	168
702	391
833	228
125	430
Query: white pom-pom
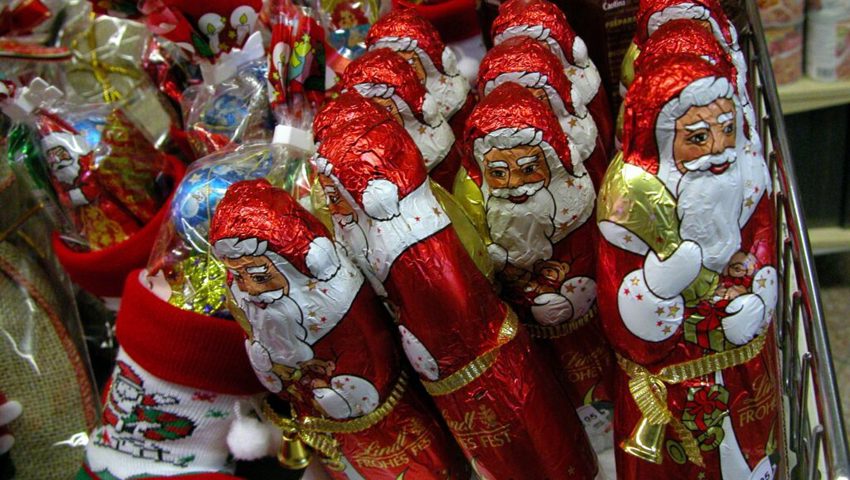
468	67
251	439
322	259
380	199
579	52
431	109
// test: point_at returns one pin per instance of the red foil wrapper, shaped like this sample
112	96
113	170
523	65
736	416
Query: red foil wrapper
687	280
684	36
108	193
389	81
435	64
501	403
347	108
529	64
545	23
320	338
539	209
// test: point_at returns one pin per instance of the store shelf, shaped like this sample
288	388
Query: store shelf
806	94
826	240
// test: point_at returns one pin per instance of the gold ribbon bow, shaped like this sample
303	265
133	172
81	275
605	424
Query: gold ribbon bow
649	391
317	433
474	369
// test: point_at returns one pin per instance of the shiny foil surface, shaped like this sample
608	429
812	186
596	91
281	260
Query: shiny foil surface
654	210
335	358
546	266
383	66
544	22
510	418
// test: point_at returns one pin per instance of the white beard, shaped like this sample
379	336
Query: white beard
279	327
450	95
67	173
434	143
709	206
524	230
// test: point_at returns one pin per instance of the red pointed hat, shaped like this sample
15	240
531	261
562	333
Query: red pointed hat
523	61
382	68
253	212
348	108
542	21
377	164
684	36
405	23
652	14
657	84
127	373
510	106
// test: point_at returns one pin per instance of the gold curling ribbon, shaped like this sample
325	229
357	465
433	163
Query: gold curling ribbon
316	432
563	329
474	369
101	70
649	391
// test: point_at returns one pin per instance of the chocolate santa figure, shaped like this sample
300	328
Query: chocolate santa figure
529	64
539	210
319	337
388	80
435	64
687	283
653	14
545	23
497	395
99	218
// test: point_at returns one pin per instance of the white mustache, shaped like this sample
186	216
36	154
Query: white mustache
705	162
527	189
266	297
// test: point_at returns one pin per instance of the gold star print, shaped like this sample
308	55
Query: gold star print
660	311
306	38
422	130
666	329
571	471
437	211
231	34
570	182
314	328
311	285
635	281
571	71
565	211
628	238
673	311
311	313
573	122
338	384
276	76
570	288
749	202
442	80
701	476
761	282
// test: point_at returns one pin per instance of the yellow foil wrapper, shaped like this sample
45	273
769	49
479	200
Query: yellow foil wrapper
466	230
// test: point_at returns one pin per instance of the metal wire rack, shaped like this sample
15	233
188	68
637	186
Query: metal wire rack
815	440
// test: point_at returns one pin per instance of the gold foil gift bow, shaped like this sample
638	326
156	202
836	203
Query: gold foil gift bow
317	433
649	391
474	369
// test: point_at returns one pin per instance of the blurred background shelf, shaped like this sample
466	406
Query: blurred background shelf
828	240
806	95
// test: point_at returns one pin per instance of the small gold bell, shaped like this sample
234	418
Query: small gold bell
293	454
646	441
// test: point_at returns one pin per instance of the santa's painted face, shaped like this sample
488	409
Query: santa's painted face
704	131
414	61
389	105
540	94
125	395
337	205
514	168
255	275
